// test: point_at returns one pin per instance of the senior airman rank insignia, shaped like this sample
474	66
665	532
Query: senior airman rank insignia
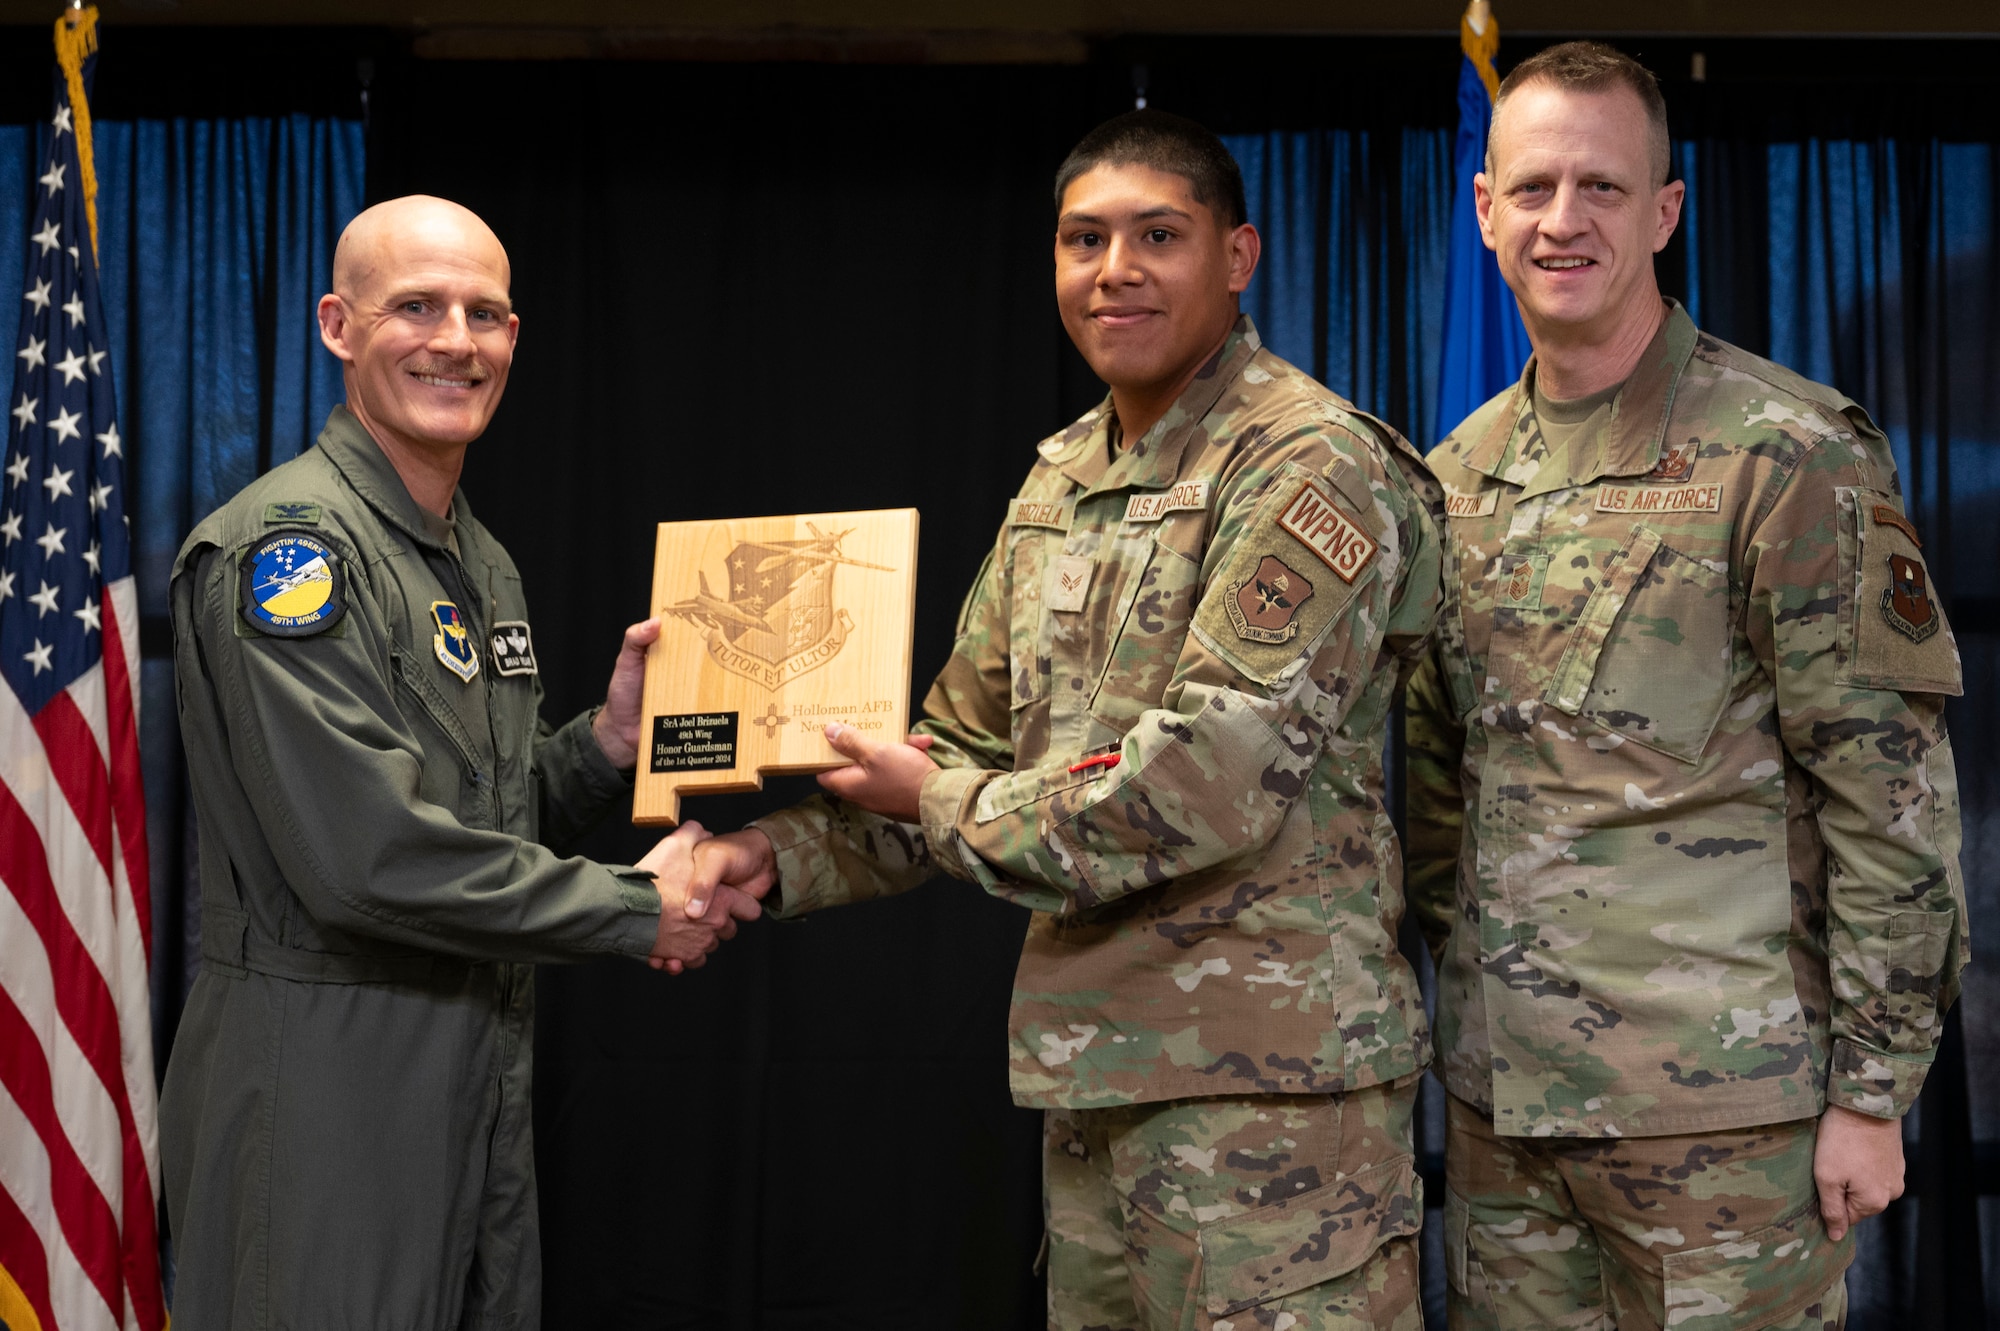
1907	603
292	585
453	643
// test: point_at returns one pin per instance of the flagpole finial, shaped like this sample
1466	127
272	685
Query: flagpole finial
1478	14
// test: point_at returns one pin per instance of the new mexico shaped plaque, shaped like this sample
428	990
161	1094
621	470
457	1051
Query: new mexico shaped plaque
772	627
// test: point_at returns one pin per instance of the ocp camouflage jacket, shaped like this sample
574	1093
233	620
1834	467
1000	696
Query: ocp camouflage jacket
1161	729
1686	707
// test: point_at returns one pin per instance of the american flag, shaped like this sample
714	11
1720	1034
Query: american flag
79	1161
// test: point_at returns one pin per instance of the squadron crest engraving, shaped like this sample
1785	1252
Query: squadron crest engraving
774	618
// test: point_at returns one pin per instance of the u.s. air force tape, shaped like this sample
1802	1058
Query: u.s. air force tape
292	585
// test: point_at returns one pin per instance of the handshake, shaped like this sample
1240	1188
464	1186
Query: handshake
709	884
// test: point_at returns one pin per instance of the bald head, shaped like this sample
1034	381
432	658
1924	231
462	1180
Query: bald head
422	322
382	238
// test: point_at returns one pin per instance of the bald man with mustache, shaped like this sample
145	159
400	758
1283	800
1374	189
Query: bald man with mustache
346	1122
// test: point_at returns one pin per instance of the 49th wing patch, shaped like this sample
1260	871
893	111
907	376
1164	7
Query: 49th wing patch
292	586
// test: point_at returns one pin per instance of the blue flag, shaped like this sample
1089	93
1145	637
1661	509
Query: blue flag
1485	345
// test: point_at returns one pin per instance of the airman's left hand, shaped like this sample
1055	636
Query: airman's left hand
886	778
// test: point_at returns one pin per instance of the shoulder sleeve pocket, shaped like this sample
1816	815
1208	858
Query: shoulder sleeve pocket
1308	1239
1291	573
1893	633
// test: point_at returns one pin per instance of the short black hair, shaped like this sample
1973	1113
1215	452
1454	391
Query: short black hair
1164	142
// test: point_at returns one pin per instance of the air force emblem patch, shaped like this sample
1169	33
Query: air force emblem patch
513	648
453	643
292	585
1907	603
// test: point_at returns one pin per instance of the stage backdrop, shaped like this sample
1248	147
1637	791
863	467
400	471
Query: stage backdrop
752	288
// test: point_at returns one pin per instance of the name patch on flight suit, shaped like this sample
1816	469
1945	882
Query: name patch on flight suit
452	643
513	648
1153	507
1327	532
292	585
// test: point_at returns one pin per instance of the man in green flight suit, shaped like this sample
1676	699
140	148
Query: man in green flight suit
1160	730
345	1124
1683	816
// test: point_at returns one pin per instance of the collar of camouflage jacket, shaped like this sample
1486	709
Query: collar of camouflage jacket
1630	442
350	447
1153	463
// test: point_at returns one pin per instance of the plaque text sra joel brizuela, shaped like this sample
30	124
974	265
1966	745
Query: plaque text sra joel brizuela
696	742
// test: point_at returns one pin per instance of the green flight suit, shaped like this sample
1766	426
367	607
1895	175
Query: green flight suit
345	1125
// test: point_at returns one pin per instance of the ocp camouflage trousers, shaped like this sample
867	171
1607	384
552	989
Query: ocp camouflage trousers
1717	1231
1284	1212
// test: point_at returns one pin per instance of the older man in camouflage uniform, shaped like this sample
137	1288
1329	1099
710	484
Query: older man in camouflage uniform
1683	799
1161	729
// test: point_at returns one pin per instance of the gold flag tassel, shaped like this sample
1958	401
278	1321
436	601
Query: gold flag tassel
76	41
1479	38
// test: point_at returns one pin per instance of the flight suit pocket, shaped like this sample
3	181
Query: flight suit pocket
1650	656
1309	1239
1764	1277
461	782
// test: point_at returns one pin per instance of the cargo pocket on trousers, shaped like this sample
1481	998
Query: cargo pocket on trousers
1308	1239
1462	1270
1766	1276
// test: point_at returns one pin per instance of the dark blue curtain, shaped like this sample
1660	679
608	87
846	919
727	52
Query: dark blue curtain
1351	286
215	237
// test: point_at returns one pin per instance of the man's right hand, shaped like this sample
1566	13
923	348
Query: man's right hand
692	926
736	863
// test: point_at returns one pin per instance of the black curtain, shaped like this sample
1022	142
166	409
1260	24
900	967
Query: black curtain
758	289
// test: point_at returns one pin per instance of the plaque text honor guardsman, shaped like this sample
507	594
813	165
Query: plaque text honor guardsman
773	627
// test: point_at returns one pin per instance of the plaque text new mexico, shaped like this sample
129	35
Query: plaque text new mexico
773	627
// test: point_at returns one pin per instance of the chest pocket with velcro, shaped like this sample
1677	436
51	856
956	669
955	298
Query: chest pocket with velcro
1649	658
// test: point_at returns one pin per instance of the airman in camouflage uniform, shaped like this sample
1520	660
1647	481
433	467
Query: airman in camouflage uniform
1682	800
1160	729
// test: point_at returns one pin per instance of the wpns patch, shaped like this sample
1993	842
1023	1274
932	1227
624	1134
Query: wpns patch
1907	603
1265	607
513	648
292	585
452	642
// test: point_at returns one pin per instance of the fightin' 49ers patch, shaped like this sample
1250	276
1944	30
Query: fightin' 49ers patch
1265	606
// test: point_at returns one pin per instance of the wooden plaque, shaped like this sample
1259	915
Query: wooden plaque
772	628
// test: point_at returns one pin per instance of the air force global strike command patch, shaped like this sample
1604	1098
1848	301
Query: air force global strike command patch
452	642
513	648
292	585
